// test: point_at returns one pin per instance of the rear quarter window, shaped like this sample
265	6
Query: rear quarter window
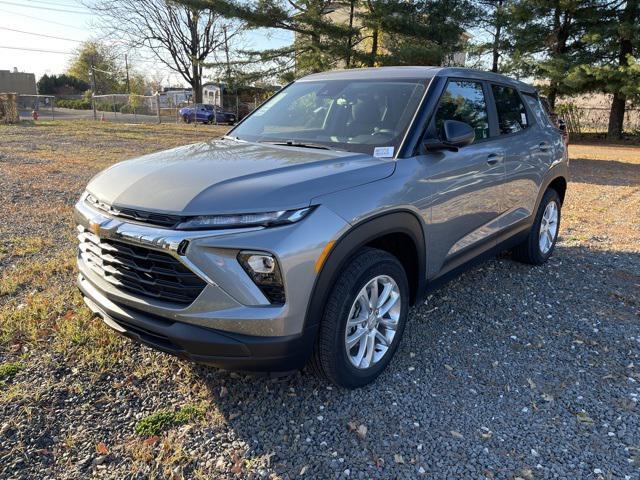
536	106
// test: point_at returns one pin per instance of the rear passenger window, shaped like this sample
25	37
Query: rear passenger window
464	101
512	116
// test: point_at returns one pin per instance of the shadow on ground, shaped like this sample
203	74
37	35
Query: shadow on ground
507	368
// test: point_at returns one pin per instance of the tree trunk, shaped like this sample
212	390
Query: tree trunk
196	82
496	37
374	49
616	116
350	38
618	105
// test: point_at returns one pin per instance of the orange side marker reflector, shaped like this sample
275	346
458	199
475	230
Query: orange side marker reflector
323	256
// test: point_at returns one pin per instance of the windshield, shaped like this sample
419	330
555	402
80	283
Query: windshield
352	115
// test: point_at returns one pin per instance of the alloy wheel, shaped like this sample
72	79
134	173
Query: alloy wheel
548	227
373	322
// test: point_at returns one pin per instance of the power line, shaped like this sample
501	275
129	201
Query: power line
36	50
42	19
78	12
41	35
78	5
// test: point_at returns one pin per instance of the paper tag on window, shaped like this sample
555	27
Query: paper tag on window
523	117
383	152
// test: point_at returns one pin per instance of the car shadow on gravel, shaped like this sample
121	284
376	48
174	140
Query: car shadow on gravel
605	172
509	366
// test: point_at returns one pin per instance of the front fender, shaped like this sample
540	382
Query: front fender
349	243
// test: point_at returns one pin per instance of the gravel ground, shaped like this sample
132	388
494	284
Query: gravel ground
508	372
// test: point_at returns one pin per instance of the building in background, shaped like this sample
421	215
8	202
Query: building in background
17	82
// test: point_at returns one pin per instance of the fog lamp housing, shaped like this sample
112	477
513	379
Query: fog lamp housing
264	270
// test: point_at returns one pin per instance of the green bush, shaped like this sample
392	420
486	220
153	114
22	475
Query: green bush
80	104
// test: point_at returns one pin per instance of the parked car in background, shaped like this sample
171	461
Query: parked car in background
206	114
306	233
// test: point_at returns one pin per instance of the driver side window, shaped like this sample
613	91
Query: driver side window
464	101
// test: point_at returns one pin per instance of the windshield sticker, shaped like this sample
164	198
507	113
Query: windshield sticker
383	152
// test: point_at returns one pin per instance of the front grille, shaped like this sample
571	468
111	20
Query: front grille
139	270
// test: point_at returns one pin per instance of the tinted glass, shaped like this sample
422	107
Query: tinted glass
464	101
352	115
538	109
512	116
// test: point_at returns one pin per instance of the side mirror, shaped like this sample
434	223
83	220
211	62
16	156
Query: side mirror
456	135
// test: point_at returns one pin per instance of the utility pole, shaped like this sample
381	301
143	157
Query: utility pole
126	66
92	72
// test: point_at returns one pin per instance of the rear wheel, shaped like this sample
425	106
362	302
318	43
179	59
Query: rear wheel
363	320
186	119
541	241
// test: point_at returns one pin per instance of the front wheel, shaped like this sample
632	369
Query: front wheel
363	321
542	238
186	119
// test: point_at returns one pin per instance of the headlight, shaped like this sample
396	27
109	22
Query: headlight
266	219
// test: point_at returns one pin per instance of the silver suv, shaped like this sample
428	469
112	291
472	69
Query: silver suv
306	233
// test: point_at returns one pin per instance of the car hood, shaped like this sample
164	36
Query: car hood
231	176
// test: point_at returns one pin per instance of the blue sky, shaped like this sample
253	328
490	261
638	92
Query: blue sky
71	21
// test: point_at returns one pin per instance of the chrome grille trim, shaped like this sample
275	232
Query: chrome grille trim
139	270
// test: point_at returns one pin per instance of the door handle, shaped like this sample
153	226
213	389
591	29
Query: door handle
493	158
544	146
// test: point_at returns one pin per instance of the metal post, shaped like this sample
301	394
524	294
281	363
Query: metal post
53	110
158	107
113	105
93	104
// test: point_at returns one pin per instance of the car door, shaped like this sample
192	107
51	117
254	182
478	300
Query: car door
466	186
527	150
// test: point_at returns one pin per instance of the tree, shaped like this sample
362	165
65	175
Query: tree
493	28
353	33
61	84
95	58
180	37
548	39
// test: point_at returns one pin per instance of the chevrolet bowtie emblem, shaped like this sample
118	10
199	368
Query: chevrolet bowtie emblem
94	228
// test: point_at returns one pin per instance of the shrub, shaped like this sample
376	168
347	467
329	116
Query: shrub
80	104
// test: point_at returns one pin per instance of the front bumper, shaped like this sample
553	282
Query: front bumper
231	324
199	344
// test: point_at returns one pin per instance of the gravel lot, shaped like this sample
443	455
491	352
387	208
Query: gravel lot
508	372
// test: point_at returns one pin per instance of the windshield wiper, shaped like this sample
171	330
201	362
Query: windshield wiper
291	143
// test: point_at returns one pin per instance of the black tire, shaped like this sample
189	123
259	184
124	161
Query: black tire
329	359
529	250
186	119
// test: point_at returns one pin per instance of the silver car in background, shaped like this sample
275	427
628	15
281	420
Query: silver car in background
306	233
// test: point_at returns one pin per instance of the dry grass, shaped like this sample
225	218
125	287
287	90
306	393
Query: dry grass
44	169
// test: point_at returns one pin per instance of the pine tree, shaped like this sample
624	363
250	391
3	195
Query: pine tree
549	40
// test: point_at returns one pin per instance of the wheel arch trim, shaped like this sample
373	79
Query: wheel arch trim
362	233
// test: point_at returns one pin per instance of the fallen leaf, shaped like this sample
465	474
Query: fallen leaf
151	440
352	426
547	397
456	434
486	435
448	367
398	458
362	431
102	449
532	384
223	391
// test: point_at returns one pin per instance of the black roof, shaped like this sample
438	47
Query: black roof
416	72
